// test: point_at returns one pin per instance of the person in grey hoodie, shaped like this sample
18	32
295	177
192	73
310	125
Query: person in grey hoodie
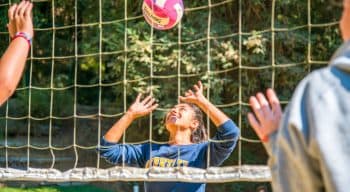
309	145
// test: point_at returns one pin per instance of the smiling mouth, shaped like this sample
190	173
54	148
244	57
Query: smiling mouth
173	118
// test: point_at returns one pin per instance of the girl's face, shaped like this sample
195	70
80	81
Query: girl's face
181	116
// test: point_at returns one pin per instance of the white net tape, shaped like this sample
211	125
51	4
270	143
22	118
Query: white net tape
185	174
62	161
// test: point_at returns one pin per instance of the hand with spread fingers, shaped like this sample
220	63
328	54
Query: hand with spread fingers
142	107
267	114
195	97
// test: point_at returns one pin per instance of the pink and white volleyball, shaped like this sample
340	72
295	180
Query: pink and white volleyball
162	14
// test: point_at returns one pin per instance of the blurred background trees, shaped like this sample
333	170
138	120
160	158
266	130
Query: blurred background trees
85	70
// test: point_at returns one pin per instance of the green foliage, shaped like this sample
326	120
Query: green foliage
136	59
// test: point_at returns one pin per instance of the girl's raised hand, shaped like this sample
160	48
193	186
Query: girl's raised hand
142	107
20	19
195	97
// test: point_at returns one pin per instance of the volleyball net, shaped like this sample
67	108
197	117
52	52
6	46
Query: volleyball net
90	58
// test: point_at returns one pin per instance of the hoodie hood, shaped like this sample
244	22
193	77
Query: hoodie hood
341	58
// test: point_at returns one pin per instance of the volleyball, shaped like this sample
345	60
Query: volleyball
162	14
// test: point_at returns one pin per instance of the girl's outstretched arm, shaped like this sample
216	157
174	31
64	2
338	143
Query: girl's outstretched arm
138	109
13	60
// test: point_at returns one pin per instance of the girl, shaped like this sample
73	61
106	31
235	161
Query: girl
188	143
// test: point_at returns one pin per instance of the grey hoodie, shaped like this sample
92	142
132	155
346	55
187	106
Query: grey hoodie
311	150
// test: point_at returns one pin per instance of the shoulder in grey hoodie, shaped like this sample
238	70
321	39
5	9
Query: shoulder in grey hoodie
311	150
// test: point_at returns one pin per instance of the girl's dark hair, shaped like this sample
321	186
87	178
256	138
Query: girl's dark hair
200	133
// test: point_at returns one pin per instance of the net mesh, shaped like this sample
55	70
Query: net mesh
89	59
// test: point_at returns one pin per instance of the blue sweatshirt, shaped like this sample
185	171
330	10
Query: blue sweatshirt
165	155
